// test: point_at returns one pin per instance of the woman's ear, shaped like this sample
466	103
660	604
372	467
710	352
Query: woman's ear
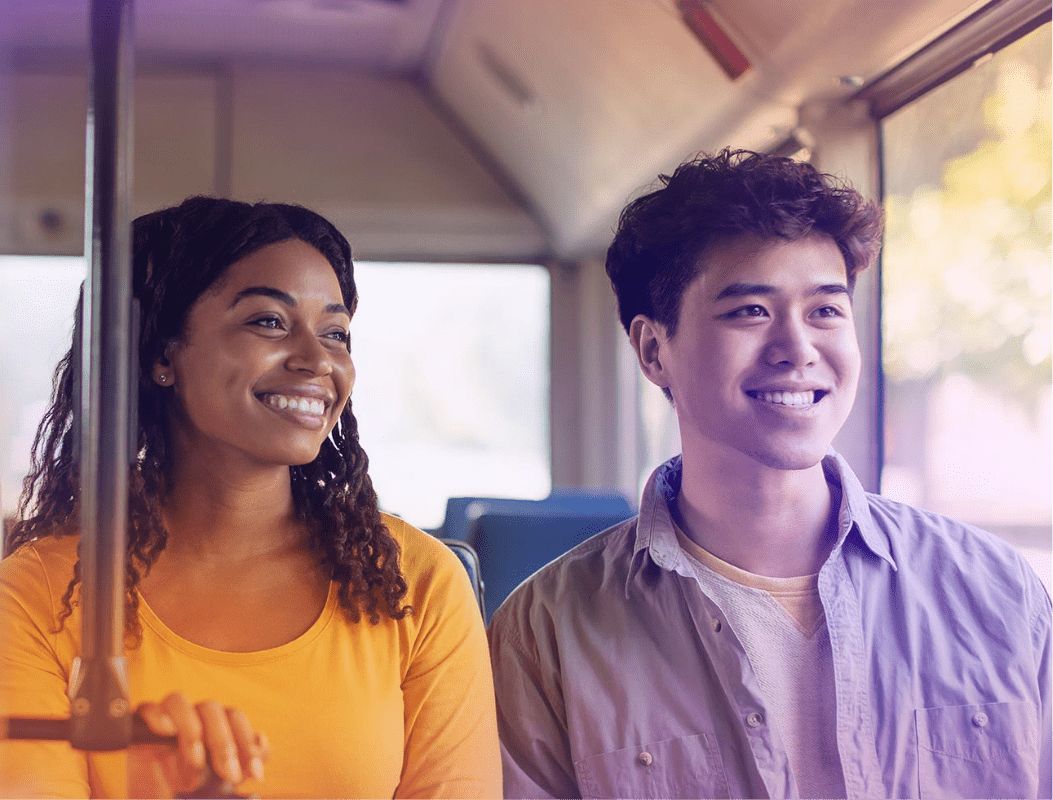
648	338
163	374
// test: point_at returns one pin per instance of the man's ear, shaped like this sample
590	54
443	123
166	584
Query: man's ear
648	339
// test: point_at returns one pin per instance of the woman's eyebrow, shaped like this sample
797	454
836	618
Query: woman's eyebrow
283	297
265	291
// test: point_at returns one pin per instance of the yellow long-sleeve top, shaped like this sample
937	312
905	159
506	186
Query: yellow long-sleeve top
404	708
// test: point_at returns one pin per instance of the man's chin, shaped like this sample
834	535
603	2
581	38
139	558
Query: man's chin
800	459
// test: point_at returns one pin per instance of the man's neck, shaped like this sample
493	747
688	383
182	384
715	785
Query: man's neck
773	522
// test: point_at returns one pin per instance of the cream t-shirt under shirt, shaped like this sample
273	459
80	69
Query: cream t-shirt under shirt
782	627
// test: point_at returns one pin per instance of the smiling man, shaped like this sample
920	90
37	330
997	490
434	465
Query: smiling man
765	627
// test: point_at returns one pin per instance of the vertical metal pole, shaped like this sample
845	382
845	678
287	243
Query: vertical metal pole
99	684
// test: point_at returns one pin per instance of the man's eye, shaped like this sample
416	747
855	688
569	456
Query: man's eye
747	311
829	311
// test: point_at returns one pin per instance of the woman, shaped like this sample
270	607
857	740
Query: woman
259	570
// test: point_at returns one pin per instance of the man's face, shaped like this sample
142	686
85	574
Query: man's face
764	362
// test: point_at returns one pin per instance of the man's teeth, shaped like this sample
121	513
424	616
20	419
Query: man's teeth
295	403
787	398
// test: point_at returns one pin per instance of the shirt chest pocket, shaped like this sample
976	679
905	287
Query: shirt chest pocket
686	767
986	750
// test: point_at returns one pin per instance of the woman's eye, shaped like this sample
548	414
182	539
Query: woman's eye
267	322
340	336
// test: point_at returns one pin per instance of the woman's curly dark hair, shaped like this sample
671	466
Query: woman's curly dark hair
178	254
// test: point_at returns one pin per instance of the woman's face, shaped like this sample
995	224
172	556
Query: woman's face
264	368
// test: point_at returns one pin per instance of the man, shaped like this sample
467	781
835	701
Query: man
765	628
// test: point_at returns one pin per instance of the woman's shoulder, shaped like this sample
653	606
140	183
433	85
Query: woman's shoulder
34	578
426	563
420	551
50	558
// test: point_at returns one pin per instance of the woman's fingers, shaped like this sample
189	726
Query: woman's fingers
251	746
207	733
189	729
157	720
219	740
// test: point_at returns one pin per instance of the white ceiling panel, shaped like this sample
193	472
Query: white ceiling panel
383	35
583	103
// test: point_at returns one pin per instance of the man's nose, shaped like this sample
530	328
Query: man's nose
791	344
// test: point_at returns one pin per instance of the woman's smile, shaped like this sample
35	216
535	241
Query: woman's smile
273	334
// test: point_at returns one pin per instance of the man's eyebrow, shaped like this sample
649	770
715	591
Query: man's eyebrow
283	297
830	288
748	289
744	289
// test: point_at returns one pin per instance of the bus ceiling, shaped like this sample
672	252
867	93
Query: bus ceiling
439	128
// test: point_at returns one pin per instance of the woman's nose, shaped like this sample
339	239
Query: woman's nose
308	354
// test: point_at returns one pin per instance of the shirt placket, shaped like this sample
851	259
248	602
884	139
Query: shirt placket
855	729
741	690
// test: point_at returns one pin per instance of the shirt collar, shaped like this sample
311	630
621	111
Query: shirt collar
656	536
855	509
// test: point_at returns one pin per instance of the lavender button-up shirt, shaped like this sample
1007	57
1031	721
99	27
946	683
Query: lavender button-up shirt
617	676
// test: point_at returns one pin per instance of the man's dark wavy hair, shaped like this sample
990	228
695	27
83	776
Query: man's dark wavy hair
178	254
662	237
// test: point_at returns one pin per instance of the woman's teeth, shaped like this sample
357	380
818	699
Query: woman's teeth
295	403
786	398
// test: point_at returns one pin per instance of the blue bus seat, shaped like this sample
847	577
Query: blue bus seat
512	546
461	512
470	559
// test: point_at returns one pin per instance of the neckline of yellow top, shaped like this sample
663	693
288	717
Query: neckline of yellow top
151	620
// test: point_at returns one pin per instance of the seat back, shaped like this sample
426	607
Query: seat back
470	559
513	546
461	512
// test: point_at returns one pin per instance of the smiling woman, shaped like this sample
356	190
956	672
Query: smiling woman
275	614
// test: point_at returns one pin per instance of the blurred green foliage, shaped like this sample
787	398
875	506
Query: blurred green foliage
966	271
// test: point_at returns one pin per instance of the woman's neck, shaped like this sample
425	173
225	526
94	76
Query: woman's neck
215	512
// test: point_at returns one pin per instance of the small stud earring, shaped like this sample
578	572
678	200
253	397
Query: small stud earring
162	378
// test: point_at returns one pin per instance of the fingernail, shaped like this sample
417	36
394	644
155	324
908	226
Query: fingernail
167	725
234	769
197	754
256	768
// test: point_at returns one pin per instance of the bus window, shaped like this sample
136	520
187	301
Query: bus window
452	387
40	295
451	393
966	298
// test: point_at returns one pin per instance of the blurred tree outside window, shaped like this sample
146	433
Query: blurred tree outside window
966	298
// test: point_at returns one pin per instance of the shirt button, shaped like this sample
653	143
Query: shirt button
980	719
716	625
645	758
754	719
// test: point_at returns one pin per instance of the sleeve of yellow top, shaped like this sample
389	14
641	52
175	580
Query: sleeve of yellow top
451	730
33	681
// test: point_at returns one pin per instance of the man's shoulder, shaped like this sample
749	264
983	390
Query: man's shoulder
932	547
906	525
599	565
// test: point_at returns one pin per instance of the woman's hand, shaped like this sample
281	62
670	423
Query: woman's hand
207	733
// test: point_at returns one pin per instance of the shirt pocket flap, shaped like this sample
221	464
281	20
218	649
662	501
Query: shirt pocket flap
988	750
688	766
